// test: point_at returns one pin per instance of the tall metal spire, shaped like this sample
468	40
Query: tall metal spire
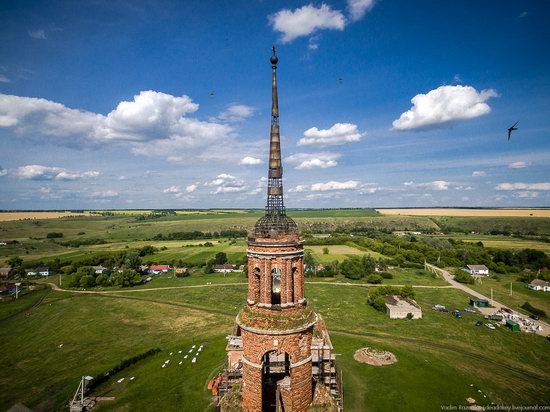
275	220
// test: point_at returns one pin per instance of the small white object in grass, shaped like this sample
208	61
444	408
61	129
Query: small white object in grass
164	365
132	378
185	357
179	351
190	350
60	346
194	360
171	353
181	362
193	347
120	380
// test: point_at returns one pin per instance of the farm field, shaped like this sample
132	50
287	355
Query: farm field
453	351
466	212
7	216
513	244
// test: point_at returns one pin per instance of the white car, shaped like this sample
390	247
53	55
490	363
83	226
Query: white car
490	326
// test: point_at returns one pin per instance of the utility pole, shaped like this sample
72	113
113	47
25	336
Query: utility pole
510	288
17	290
492	303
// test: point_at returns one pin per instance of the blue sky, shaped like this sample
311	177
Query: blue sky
161	104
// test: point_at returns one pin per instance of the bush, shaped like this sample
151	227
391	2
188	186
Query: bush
182	274
386	275
87	281
463	277
374	279
102	280
53	235
325	251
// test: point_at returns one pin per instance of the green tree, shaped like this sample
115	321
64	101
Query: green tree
102	280
352	268
374	279
325	251
309	263
369	265
126	278
220	258
87	281
132	260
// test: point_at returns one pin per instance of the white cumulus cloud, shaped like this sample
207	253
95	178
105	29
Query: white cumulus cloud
358	8
518	165
250	161
445	104
107	194
305	21
191	188
236	113
226	183
523	186
526	194
3	172
152	124
338	134
307	161
39	172
328	186
172	189
479	173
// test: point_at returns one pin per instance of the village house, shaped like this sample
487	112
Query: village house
156	269
539	284
43	271
99	269
477	270
181	270
398	307
7	242
5	271
226	268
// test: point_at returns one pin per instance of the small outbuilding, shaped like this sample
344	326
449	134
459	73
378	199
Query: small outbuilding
479	303
226	268
477	270
5	271
398	307
513	326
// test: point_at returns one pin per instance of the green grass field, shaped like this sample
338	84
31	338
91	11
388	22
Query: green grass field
439	356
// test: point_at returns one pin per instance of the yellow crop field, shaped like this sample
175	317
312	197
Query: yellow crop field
468	212
6	216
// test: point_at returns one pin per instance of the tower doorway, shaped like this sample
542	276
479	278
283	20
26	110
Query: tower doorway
275	370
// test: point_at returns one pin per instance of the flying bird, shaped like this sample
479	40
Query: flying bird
511	129
212	93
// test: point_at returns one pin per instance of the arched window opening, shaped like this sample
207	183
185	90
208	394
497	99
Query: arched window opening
256	285
293	296
276	286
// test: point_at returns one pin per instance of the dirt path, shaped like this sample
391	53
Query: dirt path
497	305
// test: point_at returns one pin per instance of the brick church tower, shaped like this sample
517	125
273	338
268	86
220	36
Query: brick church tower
276	325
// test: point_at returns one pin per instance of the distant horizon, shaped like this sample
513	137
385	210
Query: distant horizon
288	208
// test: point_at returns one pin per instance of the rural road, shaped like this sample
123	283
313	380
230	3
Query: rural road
497	305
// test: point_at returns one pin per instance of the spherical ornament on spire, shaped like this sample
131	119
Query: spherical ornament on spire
274	59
